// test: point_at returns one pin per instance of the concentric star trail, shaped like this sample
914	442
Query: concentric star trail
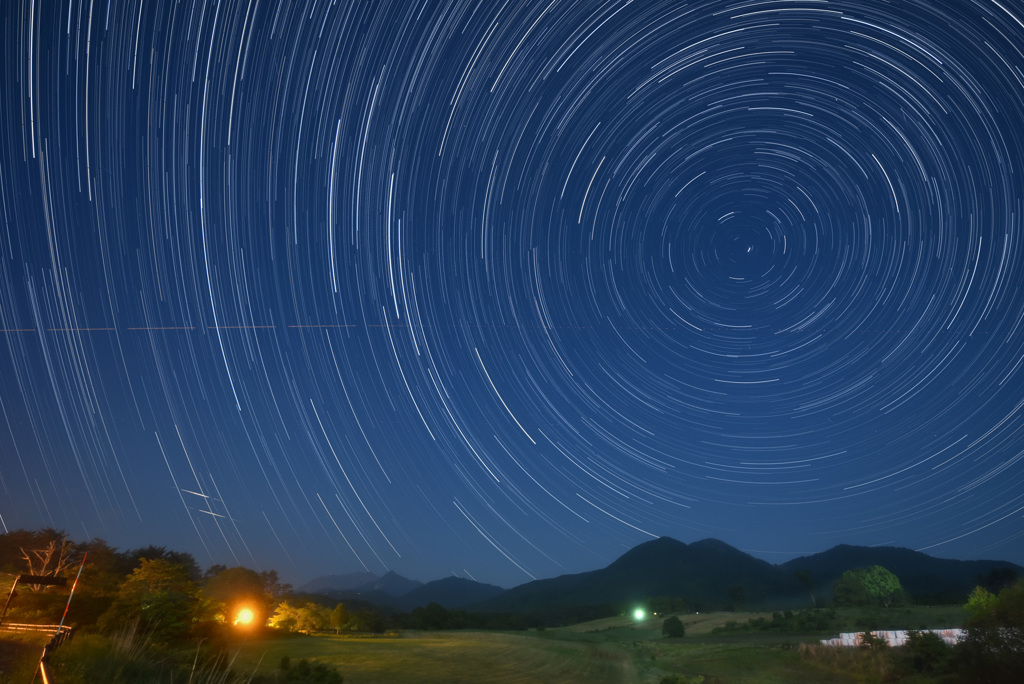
510	288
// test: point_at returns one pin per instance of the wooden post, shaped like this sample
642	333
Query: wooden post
9	597
34	579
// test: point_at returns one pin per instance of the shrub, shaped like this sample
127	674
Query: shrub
993	649
131	657
869	640
302	672
874	586
673	628
926	652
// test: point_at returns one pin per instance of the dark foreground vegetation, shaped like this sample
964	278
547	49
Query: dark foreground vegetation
152	615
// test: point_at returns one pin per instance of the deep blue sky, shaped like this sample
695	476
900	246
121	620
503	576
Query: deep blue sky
505	289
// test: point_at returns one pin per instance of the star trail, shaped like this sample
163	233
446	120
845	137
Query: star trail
501	290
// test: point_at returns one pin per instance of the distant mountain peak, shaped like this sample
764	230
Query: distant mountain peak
394	584
339	582
707	573
654	547
451	592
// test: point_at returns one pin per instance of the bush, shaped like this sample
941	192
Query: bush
810	620
926	652
869	640
302	672
130	657
160	595
874	586
993	649
673	628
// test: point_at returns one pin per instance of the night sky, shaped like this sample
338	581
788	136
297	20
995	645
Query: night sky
503	289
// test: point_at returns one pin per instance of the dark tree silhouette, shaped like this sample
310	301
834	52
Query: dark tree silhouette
673	628
806	581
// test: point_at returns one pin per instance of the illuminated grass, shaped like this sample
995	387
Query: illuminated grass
742	663
454	657
19	655
616	654
619	649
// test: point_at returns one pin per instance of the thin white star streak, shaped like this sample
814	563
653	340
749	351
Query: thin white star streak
511	287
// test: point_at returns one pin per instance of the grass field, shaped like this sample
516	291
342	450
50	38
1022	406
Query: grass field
610	650
499	658
455	657
19	654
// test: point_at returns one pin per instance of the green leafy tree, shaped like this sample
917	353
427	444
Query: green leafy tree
367	621
161	596
874	586
673	628
997	579
47	552
313	617
309	617
807	582
431	616
102	576
926	652
738	596
993	649
36	552
980	604
883	587
669	604
869	640
130	559
303	672
228	590
339	617
286	617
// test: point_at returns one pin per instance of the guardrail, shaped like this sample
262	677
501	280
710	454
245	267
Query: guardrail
59	635
59	632
22	627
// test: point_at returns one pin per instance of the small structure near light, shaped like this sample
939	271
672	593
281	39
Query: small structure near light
245	617
638	614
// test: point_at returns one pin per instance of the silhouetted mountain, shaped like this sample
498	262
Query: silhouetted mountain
710	574
380	600
919	573
391	583
450	592
352	580
707	574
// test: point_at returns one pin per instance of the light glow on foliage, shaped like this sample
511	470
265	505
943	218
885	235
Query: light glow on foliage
245	617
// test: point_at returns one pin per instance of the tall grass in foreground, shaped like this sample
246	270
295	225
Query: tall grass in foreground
873	664
19	654
130	657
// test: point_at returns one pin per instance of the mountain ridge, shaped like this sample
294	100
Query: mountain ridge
705	574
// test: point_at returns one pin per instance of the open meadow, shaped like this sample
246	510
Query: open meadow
19	653
613	650
609	650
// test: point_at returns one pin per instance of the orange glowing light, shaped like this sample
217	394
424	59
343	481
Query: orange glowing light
245	617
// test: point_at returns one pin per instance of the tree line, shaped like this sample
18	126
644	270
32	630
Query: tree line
172	598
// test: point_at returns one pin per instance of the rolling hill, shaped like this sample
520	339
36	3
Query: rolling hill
704	575
707	574
919	573
450	592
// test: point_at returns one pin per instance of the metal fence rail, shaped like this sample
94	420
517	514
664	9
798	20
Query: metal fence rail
22	627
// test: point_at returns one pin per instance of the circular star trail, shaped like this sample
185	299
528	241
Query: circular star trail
501	290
